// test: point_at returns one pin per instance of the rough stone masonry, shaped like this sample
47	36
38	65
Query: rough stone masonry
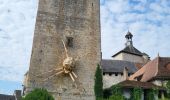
77	22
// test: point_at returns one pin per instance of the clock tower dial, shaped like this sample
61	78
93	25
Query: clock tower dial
67	68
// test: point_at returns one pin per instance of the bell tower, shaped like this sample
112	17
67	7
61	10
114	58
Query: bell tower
66	27
129	37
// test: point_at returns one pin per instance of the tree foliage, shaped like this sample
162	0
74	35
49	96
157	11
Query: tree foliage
107	93
151	94
116	89
168	85
38	94
136	94
168	88
113	93
116	97
98	87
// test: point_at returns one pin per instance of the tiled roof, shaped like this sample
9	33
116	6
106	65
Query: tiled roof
7	97
139	65
112	66
163	71
131	50
153	70
143	85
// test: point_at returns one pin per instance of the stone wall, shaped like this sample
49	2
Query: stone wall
129	57
57	20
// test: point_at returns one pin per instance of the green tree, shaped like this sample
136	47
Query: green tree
98	87
136	94
38	94
151	94
116	89
117	93
168	89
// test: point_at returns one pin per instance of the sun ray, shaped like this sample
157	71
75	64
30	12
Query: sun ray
72	77
53	75
65	49
74	74
58	69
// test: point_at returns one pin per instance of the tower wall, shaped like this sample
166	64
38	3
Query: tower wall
56	21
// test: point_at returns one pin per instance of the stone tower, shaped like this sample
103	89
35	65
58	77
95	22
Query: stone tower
77	23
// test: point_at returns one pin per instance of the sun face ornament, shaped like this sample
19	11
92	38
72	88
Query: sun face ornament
67	67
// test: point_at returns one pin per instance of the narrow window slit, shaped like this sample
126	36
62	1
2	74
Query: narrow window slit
70	41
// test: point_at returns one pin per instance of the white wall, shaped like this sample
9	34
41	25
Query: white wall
126	93
108	80
159	82
129	57
118	57
132	58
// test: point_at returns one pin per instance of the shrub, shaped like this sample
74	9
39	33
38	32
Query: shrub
113	93
116	97
38	94
136	94
151	94
107	93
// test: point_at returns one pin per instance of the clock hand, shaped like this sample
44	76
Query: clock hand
65	49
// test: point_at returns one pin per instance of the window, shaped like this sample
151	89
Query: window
121	74
70	41
129	74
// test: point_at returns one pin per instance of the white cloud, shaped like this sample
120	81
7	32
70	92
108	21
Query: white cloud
148	21
117	6
17	18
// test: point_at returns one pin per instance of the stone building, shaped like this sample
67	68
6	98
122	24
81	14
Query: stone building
15	96
129	85
126	61
130	53
156	71
66	49
114	71
153	75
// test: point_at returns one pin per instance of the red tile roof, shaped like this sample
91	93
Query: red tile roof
154	69
143	85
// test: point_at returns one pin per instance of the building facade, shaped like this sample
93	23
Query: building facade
129	58
130	53
67	35
15	96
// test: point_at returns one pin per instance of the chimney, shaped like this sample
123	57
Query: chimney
125	73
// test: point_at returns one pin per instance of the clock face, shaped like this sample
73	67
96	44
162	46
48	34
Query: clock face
67	67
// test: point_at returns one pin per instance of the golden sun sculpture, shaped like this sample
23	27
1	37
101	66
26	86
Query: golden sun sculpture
67	68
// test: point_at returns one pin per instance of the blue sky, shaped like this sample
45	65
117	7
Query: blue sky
148	20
